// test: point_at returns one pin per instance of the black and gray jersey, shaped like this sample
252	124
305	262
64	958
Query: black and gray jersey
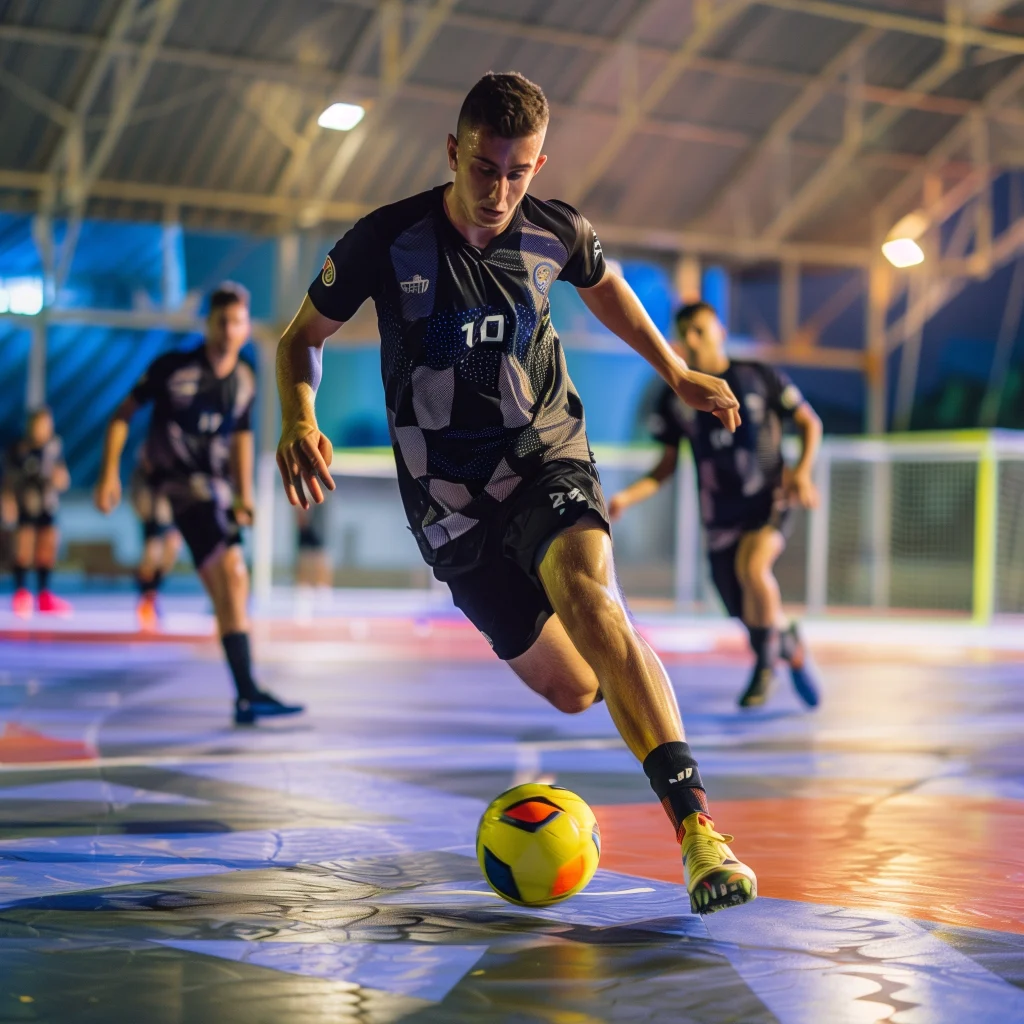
29	471
188	448
737	469
478	396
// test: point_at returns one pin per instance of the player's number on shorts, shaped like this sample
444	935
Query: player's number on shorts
492	330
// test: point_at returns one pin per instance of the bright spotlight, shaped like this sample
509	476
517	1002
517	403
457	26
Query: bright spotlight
903	252
341	117
901	247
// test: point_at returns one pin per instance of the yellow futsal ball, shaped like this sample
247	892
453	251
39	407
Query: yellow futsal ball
538	845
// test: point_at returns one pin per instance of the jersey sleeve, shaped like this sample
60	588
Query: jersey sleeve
350	274
585	266
663	425
147	387
783	395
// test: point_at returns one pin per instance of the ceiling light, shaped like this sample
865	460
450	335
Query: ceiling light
901	246
903	252
341	117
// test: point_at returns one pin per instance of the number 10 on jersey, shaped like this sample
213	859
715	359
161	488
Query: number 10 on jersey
492	330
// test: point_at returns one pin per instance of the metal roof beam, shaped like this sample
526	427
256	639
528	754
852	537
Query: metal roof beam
950	32
704	30
627	236
388	91
326	80
787	122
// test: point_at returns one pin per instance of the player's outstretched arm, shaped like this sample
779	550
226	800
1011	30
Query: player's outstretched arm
647	486
800	486
615	304
107	493
303	453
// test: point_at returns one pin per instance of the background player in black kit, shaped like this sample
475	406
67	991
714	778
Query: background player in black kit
200	455
493	460
745	489
34	475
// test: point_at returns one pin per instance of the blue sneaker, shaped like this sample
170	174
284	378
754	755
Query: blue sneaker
795	655
262	705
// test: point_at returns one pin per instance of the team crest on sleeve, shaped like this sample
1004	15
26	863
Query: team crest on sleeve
543	275
791	396
328	274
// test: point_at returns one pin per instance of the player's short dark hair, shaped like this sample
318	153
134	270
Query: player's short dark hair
229	293
505	103
685	315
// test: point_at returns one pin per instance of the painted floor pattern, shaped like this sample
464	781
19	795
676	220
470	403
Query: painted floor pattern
159	865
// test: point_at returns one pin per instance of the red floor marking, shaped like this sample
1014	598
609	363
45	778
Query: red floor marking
951	860
23	746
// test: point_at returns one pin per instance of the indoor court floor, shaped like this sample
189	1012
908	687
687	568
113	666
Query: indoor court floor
159	865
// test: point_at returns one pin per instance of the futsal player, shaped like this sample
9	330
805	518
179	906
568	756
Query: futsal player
161	542
34	477
746	491
200	447
494	465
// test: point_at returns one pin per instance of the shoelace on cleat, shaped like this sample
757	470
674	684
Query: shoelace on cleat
702	853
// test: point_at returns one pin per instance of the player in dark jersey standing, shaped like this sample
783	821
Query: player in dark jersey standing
493	461
200	453
745	489
161	541
34	477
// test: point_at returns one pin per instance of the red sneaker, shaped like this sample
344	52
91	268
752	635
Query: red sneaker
49	603
21	603
148	614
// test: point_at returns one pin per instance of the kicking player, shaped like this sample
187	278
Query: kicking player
34	477
200	447
161	542
746	491
494	465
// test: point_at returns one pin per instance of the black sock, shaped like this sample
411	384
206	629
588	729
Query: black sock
20	577
152	585
676	782
42	577
236	649
765	643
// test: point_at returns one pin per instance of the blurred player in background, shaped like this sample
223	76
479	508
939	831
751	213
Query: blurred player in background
494	465
34	477
746	491
161	541
314	566
200	450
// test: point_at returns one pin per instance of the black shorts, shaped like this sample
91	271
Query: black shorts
206	525
37	520
502	594
724	543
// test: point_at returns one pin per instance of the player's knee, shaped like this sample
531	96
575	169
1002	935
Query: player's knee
571	703
593	614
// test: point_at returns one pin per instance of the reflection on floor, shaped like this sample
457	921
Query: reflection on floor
158	865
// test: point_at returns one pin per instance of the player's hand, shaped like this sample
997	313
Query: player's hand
8	509
303	456
243	512
617	504
799	488
107	494
710	394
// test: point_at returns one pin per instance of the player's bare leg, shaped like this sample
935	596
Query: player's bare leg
226	579
554	668
24	549
756	556
578	575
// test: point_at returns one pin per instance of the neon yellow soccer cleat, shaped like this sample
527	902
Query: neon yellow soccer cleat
715	879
